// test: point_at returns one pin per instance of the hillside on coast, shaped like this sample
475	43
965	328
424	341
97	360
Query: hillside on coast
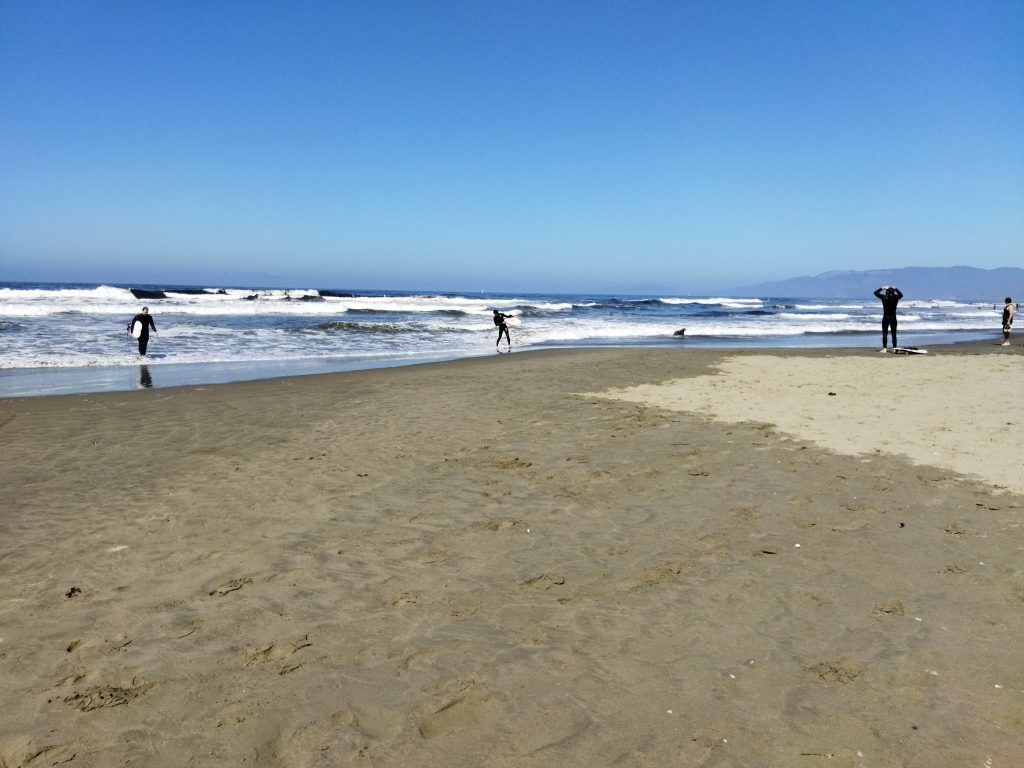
950	283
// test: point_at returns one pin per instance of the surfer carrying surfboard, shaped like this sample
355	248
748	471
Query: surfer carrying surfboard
890	296
139	329
499	320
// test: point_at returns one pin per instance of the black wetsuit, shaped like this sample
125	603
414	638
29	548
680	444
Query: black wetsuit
889	302
499	320
147	322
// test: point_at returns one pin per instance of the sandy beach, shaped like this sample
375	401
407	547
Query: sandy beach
616	557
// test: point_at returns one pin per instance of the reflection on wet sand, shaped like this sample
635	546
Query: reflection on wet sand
145	380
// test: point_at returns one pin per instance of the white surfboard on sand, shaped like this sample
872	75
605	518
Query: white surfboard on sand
909	351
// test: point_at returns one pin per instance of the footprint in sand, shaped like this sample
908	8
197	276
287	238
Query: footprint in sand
853	527
230	586
838	671
328	738
469	708
888	607
745	513
106	696
652	577
506	525
545	581
67	682
607	550
357	732
403	598
278	652
420	659
515	463
21	750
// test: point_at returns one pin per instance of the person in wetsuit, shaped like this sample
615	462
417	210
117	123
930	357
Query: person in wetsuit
147	322
890	296
499	320
1007	321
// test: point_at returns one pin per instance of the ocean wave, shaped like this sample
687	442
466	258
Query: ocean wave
816	316
529	312
843	332
812	307
721	301
74	325
344	325
641	302
59	294
938	304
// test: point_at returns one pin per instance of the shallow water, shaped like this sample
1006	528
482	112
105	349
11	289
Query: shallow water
56	339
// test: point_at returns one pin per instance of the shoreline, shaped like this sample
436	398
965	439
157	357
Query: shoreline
48	382
500	562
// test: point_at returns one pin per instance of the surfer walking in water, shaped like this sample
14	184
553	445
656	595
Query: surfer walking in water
890	296
499	320
145	321
1007	321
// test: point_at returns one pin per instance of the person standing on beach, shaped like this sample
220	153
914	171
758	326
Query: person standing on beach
499	320
1007	321
147	322
890	296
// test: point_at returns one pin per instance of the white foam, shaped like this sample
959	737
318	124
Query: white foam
724	302
85	328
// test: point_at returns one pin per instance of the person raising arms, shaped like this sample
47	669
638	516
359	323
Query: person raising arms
890	296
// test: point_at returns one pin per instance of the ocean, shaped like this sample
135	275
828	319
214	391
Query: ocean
72	338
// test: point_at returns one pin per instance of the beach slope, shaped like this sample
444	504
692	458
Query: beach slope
565	558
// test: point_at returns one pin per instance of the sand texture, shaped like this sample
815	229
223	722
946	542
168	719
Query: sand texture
933	410
590	558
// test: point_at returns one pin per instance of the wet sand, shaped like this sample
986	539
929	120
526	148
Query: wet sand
567	558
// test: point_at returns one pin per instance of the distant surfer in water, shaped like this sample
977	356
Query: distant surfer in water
146	321
890	296
499	320
1007	321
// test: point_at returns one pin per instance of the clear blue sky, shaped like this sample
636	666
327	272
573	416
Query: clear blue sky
519	145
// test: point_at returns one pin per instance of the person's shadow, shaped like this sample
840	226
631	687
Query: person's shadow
145	380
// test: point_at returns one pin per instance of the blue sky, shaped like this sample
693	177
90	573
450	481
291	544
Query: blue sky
507	146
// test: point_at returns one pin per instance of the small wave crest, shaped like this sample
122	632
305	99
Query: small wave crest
357	327
719	300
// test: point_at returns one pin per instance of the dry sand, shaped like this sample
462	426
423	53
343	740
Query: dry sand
934	410
471	564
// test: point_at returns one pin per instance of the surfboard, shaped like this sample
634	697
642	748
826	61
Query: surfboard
513	321
909	351
136	329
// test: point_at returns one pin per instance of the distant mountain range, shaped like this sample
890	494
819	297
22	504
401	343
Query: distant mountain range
950	283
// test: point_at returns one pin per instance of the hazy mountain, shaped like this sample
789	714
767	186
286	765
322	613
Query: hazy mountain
960	283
